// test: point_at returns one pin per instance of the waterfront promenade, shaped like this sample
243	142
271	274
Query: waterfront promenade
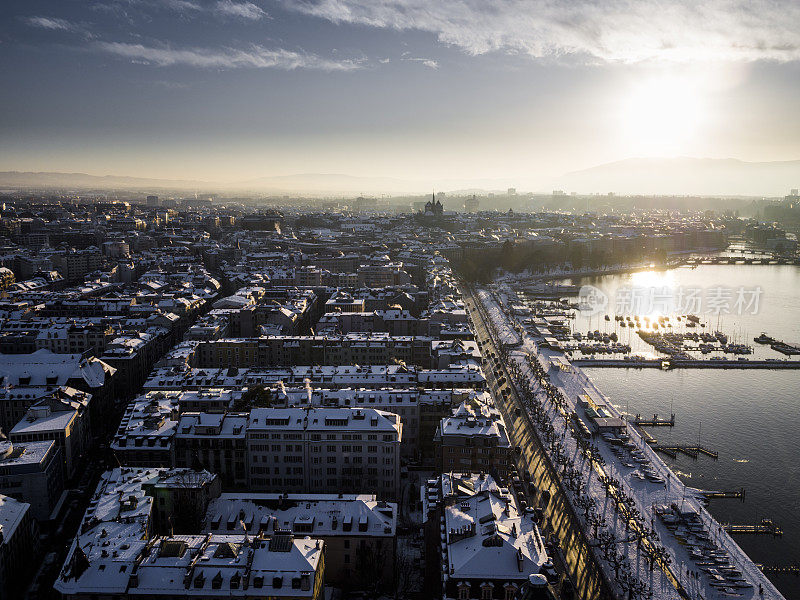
680	571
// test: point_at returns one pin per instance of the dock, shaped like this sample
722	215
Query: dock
649	439
716	495
655	421
686	364
766	259
784	348
780	569
691	451
766	527
550	292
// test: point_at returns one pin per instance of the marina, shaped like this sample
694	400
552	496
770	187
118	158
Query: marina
732	410
639	342
736	411
765	527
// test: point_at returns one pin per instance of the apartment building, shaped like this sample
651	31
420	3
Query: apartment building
350	349
32	472
119	553
18	553
358	530
63	418
325	450
214	442
327	376
474	439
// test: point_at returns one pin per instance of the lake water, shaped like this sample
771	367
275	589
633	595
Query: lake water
751	417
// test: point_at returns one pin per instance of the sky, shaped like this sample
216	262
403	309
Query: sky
507	90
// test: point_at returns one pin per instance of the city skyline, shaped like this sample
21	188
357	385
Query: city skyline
230	91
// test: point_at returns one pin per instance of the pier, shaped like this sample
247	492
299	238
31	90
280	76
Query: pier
691	451
740	260
649	439
766	527
549	292
780	569
655	421
717	495
686	364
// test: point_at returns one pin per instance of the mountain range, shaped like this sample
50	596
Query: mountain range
647	176
686	176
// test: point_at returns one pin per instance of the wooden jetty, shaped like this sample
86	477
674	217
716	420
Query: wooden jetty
692	451
649	439
714	495
699	363
766	527
655	421
780	569
784	348
766	259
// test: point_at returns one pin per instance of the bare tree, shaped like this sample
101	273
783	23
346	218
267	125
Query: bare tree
370	566
406	574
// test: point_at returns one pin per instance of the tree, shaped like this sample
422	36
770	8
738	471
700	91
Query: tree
370	565
596	521
406	574
255	397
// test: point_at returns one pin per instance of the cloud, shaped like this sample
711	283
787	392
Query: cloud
185	6
427	62
606	31
52	23
254	57
242	10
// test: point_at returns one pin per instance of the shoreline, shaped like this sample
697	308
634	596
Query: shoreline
658	363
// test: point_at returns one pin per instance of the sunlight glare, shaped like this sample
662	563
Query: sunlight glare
661	115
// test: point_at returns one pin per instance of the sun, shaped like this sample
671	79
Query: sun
661	115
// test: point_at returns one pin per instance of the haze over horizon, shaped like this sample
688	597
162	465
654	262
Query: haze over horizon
234	90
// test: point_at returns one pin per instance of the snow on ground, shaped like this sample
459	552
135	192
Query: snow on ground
648	495
505	331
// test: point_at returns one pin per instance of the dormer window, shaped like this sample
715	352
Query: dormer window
463	591
486	591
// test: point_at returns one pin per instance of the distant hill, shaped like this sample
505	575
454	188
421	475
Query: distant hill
335	183
694	176
330	183
313	184
645	176
29	179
